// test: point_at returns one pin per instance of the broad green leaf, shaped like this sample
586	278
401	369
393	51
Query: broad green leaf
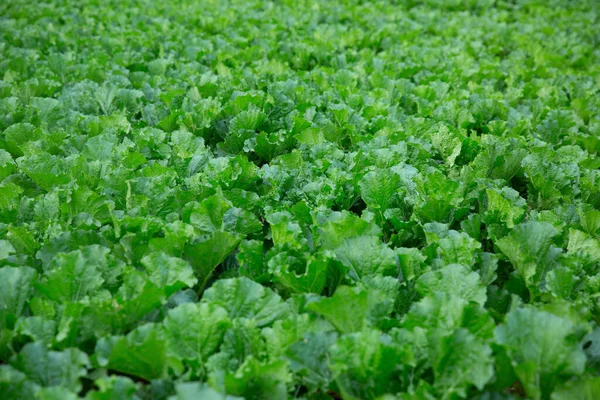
412	262
15	290
344	226
365	365
367	256
196	390
71	279
55	393
38	329
561	281
217	213
542	349
15	385
142	353
254	380
590	221
458	248
207	216
286	230
195	331
347	309
6	249
243	298
113	388
580	242
454	279
242	341
586	388
250	257
308	359
529	248
7	164
309	278
170	273
286	332
506	205
207	253
23	239
441	314
460	361
52	368
447	144
377	188
46	170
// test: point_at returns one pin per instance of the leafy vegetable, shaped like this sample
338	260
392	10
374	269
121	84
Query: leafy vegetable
299	199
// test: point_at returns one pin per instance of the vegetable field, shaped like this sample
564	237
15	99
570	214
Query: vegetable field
244	199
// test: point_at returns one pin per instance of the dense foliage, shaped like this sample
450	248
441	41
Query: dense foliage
206	199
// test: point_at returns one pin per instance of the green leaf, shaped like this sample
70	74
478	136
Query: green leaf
170	273
55	393
10	195
447	144
7	165
347	309
365	365
37	328
286	230
52	368
561	281
312	278
23	239
580	242
590	221
207	216
542	349
529	248
586	388
308	359
367	256
460	361
46	170
458	248
506	206
439	198
455	279
243	298
250	257
412	262
254	380
343	226
196	390
15	290
377	188
217	213
19	134
243	340
113	388
195	331
136	297
14	384
241	221
207	253
6	249
142	353
71	279
286	332
441	314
